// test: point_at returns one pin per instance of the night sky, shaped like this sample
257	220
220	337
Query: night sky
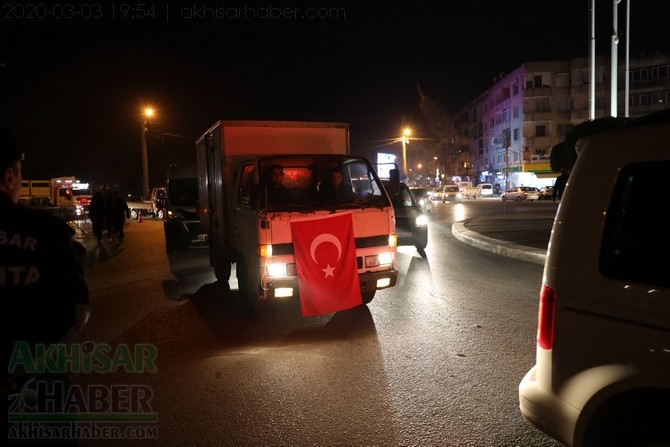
72	89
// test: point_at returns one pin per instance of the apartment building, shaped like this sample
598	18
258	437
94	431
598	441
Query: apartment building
506	134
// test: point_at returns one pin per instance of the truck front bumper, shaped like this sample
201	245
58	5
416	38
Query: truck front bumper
287	287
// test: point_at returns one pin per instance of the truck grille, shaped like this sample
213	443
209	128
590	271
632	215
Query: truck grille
361	242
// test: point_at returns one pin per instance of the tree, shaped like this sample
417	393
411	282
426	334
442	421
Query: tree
564	155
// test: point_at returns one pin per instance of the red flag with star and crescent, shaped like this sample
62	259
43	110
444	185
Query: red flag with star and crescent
325	257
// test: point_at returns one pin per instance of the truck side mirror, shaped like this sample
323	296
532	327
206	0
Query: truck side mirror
394	181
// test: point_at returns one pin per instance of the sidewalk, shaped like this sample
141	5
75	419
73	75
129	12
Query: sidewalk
523	236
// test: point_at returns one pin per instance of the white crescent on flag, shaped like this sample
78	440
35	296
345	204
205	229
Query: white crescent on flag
325	237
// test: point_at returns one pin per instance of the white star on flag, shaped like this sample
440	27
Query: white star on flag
328	271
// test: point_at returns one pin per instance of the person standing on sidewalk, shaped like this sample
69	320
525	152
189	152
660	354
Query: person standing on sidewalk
119	213
97	213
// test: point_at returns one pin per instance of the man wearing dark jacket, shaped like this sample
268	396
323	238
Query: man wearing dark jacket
42	289
119	212
559	186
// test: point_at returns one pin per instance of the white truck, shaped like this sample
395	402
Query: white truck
57	189
244	228
153	207
468	190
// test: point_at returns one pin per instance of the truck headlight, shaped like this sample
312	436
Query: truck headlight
421	221
276	270
379	259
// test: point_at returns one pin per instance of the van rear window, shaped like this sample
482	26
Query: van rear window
636	240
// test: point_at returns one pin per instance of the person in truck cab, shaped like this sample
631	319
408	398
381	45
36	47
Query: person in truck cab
277	192
337	188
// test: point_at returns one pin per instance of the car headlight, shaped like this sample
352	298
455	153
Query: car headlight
421	221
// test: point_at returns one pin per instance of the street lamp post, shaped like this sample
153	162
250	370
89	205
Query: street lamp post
148	113
405	134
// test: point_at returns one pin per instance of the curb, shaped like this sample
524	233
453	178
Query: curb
508	249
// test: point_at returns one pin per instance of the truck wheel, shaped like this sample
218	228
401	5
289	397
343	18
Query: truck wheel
159	214
133	214
367	296
222	271
247	295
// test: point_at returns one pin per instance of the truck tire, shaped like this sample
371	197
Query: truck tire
134	214
247	294
159	214
367	296
223	265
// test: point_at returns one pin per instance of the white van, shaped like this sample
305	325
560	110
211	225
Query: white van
602	372
485	189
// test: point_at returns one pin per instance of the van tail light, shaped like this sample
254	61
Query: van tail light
545	319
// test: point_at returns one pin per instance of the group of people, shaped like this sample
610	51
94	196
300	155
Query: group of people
108	211
333	189
45	298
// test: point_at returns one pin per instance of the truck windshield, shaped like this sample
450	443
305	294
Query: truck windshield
330	181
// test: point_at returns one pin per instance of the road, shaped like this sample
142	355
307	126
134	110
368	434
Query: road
435	361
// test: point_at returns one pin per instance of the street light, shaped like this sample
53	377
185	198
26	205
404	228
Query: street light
148	113
405	140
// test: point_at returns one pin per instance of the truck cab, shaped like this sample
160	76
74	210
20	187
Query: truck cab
245	226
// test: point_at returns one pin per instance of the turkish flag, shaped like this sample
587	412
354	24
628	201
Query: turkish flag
325	257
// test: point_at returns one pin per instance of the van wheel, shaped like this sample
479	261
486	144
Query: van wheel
639	420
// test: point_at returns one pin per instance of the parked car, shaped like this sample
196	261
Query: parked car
520	193
45	204
485	189
411	223
421	197
35	202
546	192
601	376
451	193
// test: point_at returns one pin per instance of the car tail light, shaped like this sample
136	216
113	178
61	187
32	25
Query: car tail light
545	319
